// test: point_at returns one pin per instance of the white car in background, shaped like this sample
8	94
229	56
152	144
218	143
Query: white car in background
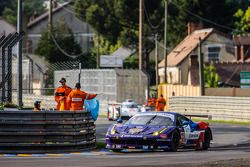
129	109
113	111
123	110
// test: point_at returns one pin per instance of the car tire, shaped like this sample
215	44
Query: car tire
174	144
206	143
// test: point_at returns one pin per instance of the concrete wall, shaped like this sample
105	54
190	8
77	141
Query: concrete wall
131	84
112	85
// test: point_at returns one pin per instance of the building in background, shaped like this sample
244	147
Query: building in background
182	61
82	31
116	59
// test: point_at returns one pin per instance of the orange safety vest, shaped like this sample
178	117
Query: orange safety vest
160	104
151	102
62	91
76	99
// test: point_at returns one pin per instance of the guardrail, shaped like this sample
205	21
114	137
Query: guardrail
46	131
215	107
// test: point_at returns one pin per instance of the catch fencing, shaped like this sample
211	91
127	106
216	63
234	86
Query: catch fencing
6	45
46	131
48	102
216	107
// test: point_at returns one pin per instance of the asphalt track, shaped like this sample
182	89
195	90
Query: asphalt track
230	142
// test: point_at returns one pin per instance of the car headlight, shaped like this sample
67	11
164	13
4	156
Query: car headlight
112	131
156	133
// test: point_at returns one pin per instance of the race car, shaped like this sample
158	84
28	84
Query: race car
129	109
123	110
159	130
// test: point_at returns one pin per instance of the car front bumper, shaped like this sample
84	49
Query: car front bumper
143	143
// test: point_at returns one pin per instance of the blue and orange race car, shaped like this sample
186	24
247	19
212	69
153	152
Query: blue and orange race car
159	130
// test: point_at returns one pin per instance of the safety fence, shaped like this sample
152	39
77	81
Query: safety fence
6	45
46	131
48	102
216	107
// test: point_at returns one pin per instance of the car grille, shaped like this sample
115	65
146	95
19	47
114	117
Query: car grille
132	141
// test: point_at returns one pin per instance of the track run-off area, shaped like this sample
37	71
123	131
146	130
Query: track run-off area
230	142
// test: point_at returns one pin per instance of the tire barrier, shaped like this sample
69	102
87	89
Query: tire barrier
46	132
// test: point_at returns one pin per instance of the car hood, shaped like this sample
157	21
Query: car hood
137	129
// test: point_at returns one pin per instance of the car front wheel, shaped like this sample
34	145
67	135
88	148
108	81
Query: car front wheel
174	144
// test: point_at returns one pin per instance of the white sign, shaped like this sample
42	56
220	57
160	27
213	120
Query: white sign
111	61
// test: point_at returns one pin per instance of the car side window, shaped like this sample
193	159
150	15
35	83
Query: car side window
181	120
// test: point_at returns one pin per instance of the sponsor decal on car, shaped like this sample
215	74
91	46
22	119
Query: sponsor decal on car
194	135
134	136
135	130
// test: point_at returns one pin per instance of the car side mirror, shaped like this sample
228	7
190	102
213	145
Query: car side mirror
119	121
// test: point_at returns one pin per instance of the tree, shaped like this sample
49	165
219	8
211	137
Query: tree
211	77
242	21
117	21
3	3
51	44
30	7
104	45
216	14
130	63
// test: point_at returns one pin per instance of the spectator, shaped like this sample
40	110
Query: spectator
37	106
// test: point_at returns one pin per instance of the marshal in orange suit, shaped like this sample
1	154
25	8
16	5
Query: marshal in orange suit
76	98
61	95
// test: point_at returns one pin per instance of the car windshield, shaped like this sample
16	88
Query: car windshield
150	120
139	120
161	120
129	105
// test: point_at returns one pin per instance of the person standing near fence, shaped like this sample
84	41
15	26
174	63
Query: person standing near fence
76	98
160	103
61	95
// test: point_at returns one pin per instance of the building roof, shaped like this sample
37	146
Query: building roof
46	14
183	49
123	52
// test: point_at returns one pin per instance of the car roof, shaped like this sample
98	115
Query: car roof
164	112
159	113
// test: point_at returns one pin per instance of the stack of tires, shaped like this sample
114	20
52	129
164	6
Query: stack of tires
46	131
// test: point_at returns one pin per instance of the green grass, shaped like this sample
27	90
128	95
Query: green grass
102	116
100	145
222	121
